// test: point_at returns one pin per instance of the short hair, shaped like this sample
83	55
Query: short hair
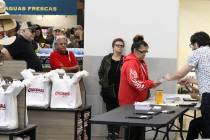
201	38
116	40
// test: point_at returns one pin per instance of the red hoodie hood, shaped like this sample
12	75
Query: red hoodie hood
131	56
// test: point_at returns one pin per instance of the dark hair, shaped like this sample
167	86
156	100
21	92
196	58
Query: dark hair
117	39
201	38
138	41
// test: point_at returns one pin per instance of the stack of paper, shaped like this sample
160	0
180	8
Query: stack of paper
142	105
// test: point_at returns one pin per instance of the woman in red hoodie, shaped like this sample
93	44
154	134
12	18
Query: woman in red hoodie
134	80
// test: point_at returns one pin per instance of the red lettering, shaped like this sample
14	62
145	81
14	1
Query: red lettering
61	93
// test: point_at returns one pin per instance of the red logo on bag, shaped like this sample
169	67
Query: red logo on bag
2	106
61	93
35	90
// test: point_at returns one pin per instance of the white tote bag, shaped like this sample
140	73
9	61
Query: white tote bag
9	103
3	123
65	92
38	91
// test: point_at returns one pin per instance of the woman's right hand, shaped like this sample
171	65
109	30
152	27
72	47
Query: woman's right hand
156	83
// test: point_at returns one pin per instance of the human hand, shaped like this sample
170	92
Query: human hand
184	81
168	77
195	96
156	83
187	80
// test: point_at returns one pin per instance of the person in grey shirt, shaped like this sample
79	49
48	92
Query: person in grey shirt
200	61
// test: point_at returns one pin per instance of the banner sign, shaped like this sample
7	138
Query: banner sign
41	7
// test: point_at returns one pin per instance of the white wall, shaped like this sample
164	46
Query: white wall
50	20
157	20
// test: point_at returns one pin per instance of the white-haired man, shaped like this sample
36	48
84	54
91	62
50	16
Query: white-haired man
61	58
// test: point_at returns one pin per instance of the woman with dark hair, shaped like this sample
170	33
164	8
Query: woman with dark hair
135	82
109	76
39	38
199	60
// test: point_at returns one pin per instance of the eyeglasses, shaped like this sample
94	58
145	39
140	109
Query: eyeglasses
144	52
119	45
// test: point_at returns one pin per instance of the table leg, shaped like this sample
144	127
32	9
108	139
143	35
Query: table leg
181	127
32	134
168	128
156	133
127	133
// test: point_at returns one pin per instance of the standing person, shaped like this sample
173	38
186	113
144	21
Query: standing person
109	76
61	58
135	82
199	60
22	48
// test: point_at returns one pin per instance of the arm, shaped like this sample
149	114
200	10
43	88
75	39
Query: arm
6	54
179	74
74	62
135	81
56	64
71	69
101	70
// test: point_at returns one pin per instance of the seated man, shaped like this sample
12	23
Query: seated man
196	125
22	48
60	58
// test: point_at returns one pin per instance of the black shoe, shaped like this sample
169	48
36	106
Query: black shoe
110	136
116	135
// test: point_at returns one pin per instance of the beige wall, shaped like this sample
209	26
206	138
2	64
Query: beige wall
194	16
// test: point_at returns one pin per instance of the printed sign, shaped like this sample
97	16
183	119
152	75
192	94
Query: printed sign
41	7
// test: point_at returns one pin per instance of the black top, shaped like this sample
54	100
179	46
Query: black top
22	49
114	74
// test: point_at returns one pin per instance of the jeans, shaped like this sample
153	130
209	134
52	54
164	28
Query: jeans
201	124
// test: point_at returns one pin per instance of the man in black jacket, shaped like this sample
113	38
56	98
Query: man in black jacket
22	48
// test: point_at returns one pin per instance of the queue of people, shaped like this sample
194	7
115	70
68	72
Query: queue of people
135	84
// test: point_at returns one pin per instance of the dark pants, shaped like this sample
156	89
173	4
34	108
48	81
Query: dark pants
201	124
135	133
112	104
